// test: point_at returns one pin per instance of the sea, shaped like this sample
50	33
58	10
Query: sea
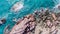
29	6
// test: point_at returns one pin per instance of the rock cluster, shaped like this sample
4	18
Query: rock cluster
40	22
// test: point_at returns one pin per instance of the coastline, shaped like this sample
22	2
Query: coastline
44	22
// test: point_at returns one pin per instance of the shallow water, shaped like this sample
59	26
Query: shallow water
29	7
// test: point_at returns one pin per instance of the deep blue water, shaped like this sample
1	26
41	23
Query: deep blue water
29	7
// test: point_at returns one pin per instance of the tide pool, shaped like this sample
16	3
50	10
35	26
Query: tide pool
29	7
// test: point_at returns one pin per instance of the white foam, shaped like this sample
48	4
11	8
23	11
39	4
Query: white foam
56	9
57	6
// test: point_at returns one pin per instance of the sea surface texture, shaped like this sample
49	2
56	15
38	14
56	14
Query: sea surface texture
28	7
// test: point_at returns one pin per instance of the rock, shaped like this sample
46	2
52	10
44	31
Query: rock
2	21
41	23
7	29
24	26
16	7
59	7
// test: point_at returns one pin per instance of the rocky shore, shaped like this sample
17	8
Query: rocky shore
40	22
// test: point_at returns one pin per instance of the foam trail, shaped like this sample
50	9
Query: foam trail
56	8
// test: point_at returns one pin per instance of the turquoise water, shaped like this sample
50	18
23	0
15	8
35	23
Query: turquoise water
29	7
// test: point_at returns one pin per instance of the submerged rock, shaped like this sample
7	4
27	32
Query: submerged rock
6	30
16	7
2	21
